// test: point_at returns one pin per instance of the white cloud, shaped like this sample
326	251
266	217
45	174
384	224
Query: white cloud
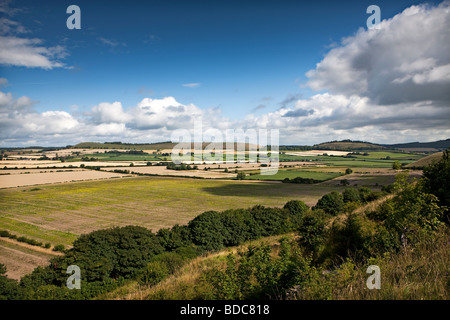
191	85
109	112
159	113
109	129
29	53
406	60
25	52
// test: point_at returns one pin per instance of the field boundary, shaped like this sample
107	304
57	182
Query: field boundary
31	247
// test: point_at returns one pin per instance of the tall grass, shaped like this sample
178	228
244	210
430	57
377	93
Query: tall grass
419	273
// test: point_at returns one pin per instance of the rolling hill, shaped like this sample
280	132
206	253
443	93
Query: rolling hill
419	164
349	145
434	146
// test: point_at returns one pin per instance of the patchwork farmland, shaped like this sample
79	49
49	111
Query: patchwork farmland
56	196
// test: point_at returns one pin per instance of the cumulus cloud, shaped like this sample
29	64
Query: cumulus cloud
149	120
406	60
159	113
109	113
20	122
387	84
16	50
30	53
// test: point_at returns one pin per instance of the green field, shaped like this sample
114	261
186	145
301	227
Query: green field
375	159
293	173
59	213
119	157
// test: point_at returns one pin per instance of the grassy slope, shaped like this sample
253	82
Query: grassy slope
417	274
425	161
186	283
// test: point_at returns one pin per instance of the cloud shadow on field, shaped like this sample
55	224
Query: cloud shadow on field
263	190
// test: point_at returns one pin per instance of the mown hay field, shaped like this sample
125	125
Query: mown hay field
60	213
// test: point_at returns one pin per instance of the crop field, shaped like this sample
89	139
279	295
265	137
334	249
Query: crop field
373	159
59	213
294	173
119	157
22	259
36	177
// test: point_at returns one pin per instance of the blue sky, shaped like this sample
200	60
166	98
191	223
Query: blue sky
239	58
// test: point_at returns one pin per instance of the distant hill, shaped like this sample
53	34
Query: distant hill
349	145
419	164
127	146
343	145
434	146
142	146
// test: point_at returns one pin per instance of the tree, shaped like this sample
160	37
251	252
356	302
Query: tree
348	171
351	195
312	230
208	231
297	208
240	176
332	203
396	165
9	288
436	180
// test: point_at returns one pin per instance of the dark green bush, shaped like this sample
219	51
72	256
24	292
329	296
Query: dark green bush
312	230
332	203
296	207
436	181
59	247
208	231
351	195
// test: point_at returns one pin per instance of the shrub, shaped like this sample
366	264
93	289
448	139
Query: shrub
240	176
332	203
59	247
436	181
207	230
177	236
110	253
153	273
297	209
351	195
9	288
396	165
312	230
351	236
